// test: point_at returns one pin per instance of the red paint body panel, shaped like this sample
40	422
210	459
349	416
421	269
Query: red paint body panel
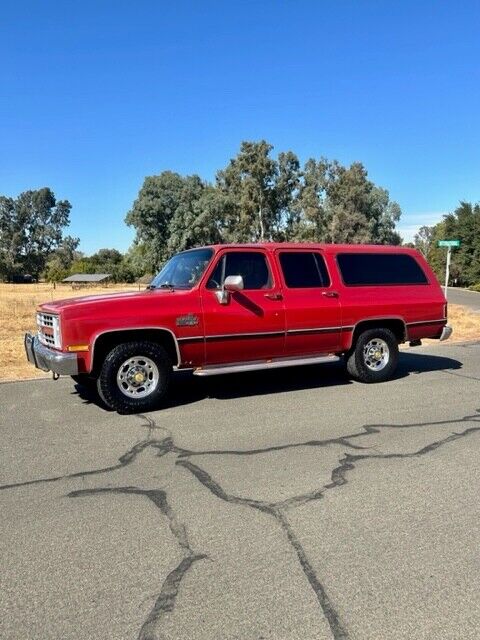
248	312
292	321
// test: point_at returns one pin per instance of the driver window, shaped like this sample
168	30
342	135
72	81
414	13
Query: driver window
251	265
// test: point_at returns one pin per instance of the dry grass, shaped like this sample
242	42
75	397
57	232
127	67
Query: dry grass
465	323
18	303
17	313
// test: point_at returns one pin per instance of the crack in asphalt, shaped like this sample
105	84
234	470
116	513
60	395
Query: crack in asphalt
337	627
461	375
165	601
163	446
338	477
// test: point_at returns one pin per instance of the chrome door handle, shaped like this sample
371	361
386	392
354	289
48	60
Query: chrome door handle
330	294
274	296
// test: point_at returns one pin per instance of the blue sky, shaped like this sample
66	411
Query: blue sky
95	95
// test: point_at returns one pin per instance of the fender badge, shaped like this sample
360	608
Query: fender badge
190	320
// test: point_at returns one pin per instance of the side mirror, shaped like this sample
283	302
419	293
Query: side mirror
233	283
230	284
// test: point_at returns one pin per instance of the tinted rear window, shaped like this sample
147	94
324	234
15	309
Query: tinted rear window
379	269
303	269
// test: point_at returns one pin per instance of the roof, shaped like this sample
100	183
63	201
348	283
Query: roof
327	248
87	277
146	279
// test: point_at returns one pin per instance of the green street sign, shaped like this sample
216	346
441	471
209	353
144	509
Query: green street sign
449	243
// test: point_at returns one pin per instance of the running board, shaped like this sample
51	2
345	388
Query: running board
257	365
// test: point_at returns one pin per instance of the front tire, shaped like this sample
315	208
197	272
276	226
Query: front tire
374	356
135	377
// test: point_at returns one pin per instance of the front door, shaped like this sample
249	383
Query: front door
313	311
251	326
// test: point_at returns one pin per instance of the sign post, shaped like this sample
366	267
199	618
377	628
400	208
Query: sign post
449	244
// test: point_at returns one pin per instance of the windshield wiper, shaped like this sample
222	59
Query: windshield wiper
167	285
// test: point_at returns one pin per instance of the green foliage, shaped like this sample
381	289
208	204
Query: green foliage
106	261
173	213
259	198
475	287
60	261
31	228
464	225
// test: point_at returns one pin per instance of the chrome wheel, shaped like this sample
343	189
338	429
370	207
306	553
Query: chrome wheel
138	377
376	354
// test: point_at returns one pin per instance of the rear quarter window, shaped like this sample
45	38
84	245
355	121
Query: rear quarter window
381	269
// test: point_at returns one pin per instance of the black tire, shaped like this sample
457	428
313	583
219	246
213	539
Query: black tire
84	380
357	359
109	389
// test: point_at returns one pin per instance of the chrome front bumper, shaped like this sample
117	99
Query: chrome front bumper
64	364
446	332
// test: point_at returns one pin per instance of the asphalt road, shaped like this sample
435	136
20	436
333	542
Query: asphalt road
286	505
464	297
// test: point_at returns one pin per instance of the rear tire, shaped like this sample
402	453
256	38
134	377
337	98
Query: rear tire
135	377
374	356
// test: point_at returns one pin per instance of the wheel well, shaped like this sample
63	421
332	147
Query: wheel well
395	325
107	341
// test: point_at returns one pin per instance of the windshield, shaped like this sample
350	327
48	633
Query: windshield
183	271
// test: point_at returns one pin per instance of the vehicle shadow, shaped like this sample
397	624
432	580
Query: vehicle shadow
187	388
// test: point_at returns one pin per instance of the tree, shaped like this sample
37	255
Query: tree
31	228
423	240
173	213
462	224
152	212
258	197
60	261
250	181
308	213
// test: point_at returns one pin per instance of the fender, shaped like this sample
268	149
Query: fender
350	330
136	328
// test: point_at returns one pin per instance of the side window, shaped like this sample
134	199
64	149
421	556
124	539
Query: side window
379	269
251	265
304	270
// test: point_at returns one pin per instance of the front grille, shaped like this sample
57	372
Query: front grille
49	330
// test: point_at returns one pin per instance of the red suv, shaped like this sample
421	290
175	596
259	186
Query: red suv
230	308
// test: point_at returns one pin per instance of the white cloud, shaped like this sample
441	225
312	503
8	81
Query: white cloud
411	222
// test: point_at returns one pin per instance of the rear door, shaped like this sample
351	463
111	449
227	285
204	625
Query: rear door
251	326
312	305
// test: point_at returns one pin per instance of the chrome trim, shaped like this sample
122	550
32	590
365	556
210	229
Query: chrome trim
138	377
229	336
64	364
319	330
446	332
119	330
240	367
376	354
254	334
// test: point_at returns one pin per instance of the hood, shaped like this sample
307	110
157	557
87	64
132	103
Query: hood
56	305
105	298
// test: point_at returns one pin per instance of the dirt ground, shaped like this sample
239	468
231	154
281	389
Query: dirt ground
18	303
